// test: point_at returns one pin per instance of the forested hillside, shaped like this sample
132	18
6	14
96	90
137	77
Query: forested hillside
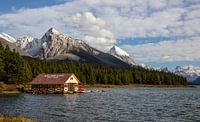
14	69
97	74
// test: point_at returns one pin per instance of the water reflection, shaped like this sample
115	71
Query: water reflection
71	98
125	104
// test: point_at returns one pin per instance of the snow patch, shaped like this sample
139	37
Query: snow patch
190	72
24	41
118	51
7	37
53	31
121	54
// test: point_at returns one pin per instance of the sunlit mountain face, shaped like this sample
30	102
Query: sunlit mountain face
54	45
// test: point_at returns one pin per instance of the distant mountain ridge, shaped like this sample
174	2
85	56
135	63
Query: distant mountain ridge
12	46
191	73
56	46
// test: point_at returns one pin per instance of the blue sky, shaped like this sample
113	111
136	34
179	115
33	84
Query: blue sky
7	6
158	33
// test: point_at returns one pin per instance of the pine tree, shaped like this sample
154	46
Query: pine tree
2	65
16	69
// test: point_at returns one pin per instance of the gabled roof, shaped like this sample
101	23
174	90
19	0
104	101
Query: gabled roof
59	78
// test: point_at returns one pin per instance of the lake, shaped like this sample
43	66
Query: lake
115	104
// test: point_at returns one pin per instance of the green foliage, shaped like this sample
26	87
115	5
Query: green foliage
98	74
1	62
15	70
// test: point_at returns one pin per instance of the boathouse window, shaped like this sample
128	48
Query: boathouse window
71	78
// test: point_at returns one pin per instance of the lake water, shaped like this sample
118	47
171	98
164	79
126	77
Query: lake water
119	104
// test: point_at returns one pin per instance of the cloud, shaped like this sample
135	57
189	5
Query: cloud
125	19
94	30
87	20
166	51
33	22
99	42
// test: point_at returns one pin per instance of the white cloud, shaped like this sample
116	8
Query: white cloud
99	42
93	29
87	19
166	51
138	18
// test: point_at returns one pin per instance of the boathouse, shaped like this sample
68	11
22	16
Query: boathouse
54	83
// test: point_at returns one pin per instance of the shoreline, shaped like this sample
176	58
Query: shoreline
11	118
134	86
10	92
14	89
9	89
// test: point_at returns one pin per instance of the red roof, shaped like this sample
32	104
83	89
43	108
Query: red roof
60	78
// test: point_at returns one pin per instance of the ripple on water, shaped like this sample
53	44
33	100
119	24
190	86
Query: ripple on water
123	104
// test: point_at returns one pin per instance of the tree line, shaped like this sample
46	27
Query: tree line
14	69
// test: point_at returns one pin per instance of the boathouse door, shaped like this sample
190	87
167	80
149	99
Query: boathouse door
71	87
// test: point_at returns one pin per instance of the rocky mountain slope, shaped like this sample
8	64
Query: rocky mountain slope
9	41
7	37
57	46
121	54
192	74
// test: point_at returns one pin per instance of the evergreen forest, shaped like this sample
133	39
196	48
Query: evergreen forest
15	70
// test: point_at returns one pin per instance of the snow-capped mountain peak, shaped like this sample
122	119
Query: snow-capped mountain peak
7	37
121	54
29	44
52	31
189	69
24	41
190	72
55	45
118	51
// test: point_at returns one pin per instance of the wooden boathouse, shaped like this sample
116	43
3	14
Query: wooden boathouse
54	83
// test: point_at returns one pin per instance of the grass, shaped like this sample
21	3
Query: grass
6	87
9	118
130	86
9	89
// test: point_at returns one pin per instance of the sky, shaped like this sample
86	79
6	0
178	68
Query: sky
159	33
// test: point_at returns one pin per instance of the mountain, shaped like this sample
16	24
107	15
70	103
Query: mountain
197	80
9	41
189	72
7	37
24	42
57	46
29	44
121	54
